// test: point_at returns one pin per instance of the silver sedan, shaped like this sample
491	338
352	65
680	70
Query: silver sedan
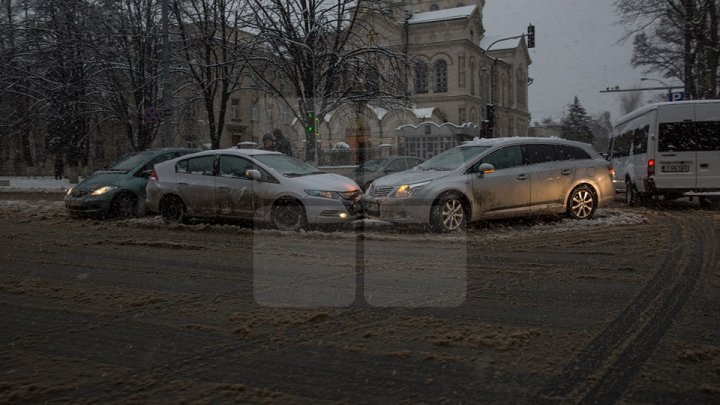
251	184
495	178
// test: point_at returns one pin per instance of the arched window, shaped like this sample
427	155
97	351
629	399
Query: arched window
421	77
441	77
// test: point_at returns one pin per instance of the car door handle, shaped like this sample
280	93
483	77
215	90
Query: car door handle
522	177
668	154
566	172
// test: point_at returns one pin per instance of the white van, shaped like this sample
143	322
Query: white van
668	150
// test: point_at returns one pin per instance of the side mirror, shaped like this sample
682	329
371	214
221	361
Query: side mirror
606	156
485	168
253	174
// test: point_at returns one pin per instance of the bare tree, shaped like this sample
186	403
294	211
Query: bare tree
677	38
212	43
126	46
327	52
631	101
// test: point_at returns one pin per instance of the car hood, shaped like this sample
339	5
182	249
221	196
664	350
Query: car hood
100	179
323	182
410	177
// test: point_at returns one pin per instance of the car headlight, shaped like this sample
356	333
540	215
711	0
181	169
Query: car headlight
325	194
70	190
103	190
407	190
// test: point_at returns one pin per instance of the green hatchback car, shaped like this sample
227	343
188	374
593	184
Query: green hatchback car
118	190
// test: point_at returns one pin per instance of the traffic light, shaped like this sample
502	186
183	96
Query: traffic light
531	36
490	115
311	124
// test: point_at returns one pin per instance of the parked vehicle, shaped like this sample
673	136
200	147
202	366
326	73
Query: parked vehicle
495	178
371	170
118	190
669	150
251	184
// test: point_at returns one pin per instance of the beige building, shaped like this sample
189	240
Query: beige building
460	70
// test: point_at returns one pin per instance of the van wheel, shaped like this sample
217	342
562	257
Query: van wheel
124	206
581	203
448	214
710	203
288	215
172	210
632	197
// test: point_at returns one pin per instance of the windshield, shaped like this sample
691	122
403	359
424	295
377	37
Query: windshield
286	165
129	162
372	165
453	158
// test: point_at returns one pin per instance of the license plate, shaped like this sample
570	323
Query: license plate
675	168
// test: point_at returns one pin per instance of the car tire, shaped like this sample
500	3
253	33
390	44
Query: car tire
582	202
288	215
172	210
449	214
632	197
124	206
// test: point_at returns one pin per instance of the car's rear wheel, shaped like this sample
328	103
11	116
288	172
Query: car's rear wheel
448	214
172	210
582	203
124	206
288	215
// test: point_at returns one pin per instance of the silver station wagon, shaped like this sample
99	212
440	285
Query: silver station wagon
251	184
495	178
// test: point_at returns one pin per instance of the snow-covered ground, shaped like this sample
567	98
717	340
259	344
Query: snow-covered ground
34	184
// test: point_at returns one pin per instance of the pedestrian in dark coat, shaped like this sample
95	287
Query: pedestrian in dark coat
282	144
59	167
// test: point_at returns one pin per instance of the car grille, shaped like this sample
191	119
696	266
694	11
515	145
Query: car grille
380	191
79	193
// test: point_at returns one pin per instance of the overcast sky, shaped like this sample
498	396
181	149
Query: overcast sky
576	53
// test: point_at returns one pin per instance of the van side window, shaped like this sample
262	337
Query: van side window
621	144
640	140
699	136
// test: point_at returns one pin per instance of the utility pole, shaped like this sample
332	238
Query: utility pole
169	136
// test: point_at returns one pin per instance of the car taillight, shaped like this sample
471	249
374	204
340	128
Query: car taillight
611	172
651	167
153	175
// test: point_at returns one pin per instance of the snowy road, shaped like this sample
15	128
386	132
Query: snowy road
625	307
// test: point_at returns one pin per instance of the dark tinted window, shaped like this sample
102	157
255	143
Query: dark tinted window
159	159
640	140
395	166
622	144
198	165
565	152
689	136
412	162
233	166
509	156
540	153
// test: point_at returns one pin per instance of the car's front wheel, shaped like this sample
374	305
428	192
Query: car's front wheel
448	214
124	206
582	203
288	215
172	210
